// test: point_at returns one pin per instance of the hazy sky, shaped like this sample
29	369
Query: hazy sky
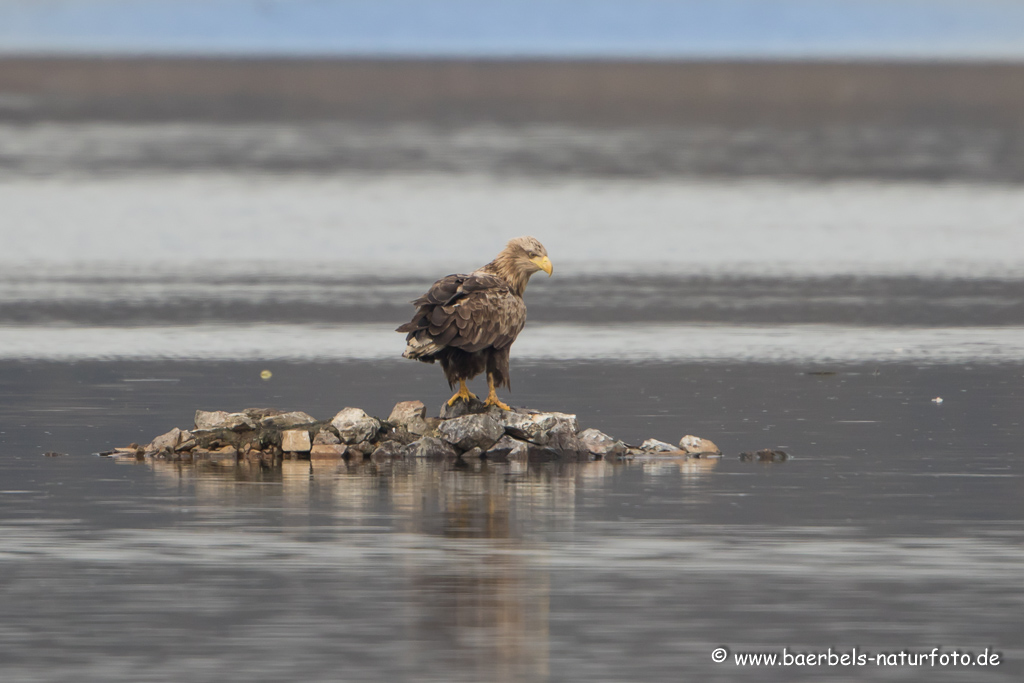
913	29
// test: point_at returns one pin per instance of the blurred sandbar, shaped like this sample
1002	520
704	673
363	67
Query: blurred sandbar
579	92
917	120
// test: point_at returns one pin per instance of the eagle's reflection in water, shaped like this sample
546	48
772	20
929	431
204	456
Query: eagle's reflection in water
462	544
473	588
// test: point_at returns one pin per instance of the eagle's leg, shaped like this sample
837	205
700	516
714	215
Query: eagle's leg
463	393
492	397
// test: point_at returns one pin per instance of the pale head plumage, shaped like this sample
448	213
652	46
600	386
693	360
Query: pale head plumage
521	258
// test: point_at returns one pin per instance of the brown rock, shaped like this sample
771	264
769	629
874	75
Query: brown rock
225	454
295	440
323	451
696	445
765	455
407	411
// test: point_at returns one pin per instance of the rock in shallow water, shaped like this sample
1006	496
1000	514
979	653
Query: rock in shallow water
324	451
169	441
506	449
471	431
765	455
407	411
600	444
698	446
354	425
429	447
538	427
219	419
295	440
655	446
387	451
286	420
473	406
325	437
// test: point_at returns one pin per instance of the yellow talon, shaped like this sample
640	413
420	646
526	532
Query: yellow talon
492	397
463	393
493	400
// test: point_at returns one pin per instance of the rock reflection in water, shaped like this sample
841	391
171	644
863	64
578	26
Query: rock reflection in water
478	589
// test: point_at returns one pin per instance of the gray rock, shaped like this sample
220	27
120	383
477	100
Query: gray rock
506	449
186	445
474	453
354	425
471	431
169	441
537	427
429	447
600	444
366	447
655	446
411	417
698	446
400	434
473	406
325	437
536	454
387	451
295	440
429	427
563	440
219	419
287	420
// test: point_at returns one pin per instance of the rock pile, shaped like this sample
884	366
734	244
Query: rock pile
465	431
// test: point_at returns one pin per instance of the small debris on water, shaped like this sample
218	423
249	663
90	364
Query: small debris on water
53	454
937	399
266	374
765	455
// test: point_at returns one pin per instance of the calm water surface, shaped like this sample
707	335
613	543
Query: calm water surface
896	524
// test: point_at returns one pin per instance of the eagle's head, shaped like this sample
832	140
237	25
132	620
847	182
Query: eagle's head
528	255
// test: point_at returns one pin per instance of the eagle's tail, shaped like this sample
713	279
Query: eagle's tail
420	347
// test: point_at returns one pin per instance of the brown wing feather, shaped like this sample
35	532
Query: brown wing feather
469	312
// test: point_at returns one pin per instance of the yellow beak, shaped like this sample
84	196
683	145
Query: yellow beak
544	263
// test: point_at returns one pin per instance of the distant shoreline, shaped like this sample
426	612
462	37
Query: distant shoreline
459	91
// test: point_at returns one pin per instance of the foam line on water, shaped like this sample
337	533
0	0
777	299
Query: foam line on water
638	342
